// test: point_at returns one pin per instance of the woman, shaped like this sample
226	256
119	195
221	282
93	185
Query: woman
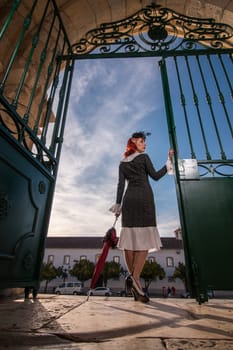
139	233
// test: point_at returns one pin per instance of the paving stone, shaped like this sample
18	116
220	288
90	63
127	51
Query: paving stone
71	322
190	344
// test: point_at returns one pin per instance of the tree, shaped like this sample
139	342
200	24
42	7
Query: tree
180	272
151	271
111	269
48	273
61	272
82	270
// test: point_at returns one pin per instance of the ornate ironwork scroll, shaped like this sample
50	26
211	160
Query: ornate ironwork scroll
216	170
26	138
155	31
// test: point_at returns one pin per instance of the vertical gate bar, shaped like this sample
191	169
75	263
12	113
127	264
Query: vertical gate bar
196	103
42	60
51	99
57	126
231	57
209	102
172	136
35	129
168	106
61	22
35	41
183	103
50	103
65	108
220	94
14	8
226	75
49	73
26	25
55	81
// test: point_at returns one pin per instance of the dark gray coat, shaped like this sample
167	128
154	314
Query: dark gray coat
138	208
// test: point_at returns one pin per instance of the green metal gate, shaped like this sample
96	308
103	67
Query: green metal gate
196	65
33	104
201	133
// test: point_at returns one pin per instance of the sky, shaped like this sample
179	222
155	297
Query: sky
110	99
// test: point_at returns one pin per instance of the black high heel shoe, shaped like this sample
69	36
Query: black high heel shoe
143	298
138	293
129	287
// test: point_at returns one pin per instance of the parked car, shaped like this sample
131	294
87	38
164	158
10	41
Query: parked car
100	291
74	288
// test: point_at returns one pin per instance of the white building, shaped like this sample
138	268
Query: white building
64	251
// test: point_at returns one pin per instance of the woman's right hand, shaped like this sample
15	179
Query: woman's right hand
170	153
116	209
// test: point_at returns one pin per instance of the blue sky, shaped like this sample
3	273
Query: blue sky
110	99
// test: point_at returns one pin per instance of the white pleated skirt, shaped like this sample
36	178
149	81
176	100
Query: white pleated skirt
139	238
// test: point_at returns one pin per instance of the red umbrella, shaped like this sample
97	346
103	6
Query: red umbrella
110	241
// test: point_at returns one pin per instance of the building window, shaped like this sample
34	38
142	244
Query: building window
83	257
170	261
50	259
151	259
66	260
116	259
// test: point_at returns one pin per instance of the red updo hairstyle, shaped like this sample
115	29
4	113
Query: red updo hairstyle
131	147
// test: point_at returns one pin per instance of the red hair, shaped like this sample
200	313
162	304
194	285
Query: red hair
130	148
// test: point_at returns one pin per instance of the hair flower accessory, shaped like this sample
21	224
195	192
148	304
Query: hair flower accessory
140	134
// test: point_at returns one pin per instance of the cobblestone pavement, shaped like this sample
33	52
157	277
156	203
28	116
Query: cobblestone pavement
100	323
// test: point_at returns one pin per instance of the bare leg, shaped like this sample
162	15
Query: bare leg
139	261
135	261
129	260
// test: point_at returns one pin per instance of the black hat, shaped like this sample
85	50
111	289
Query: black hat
140	134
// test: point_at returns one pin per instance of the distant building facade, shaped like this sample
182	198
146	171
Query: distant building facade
65	251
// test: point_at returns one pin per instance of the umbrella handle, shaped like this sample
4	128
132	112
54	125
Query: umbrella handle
115	221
